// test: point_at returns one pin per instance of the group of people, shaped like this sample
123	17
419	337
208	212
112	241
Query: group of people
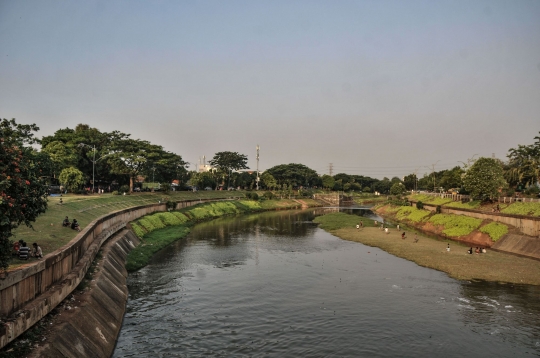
74	224
478	250
21	250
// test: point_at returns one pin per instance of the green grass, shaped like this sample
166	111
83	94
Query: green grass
459	205
411	213
335	221
430	200
456	225
523	209
495	230
50	235
152	243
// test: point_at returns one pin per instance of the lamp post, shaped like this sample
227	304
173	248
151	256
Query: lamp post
93	164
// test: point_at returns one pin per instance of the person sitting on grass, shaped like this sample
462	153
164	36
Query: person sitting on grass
483	250
415	238
75	225
24	252
36	252
66	222
16	246
476	251
470	251
403	235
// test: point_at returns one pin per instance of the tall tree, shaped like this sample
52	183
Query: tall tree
23	194
484	179
524	164
225	162
294	174
129	157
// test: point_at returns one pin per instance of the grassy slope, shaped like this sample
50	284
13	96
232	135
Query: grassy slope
493	266
50	235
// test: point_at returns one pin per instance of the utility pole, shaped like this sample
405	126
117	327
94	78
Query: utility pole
331	168
433	172
416	179
257	180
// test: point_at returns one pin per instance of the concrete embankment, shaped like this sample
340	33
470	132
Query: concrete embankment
91	329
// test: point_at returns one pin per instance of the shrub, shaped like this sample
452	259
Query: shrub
146	224
254	196
115	192
168	219
124	189
438	209
419	205
248	195
181	217
456	225
170	204
137	229
268	195
495	230
523	209
156	221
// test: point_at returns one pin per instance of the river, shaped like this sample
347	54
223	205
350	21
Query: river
275	285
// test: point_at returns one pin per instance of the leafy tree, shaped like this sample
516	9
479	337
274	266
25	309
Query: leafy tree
23	194
451	178
131	157
410	181
294	174
225	162
485	178
397	189
268	180
62	155
328	181
383	186
203	180
367	189
72	178
524	164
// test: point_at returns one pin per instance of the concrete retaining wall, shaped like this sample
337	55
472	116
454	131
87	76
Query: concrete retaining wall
29	293
92	329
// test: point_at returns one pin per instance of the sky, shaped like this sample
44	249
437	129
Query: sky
376	88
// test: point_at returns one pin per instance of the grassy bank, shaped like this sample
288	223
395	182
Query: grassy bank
50	235
431	253
158	230
450	225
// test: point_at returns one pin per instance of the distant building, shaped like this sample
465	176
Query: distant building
203	167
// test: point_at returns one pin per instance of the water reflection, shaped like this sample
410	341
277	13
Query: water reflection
275	285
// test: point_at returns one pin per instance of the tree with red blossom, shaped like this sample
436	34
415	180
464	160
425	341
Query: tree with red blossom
23	194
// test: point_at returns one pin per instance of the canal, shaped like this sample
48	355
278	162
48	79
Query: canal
275	285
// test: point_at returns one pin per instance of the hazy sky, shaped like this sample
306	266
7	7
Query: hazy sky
378	88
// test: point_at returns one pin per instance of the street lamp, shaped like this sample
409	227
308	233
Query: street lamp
93	163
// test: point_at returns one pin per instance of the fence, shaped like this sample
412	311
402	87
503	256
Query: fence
503	199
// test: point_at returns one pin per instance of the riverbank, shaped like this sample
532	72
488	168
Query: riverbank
431	253
159	230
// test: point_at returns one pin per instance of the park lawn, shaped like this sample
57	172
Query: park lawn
431	253
50	235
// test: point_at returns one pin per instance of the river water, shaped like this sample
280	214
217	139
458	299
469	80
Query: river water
275	285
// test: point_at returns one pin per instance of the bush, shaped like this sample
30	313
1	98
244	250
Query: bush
419	205
138	230
254	196
248	195
495	230
170	204
115	192
268	195
124	189
456	225
438	209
